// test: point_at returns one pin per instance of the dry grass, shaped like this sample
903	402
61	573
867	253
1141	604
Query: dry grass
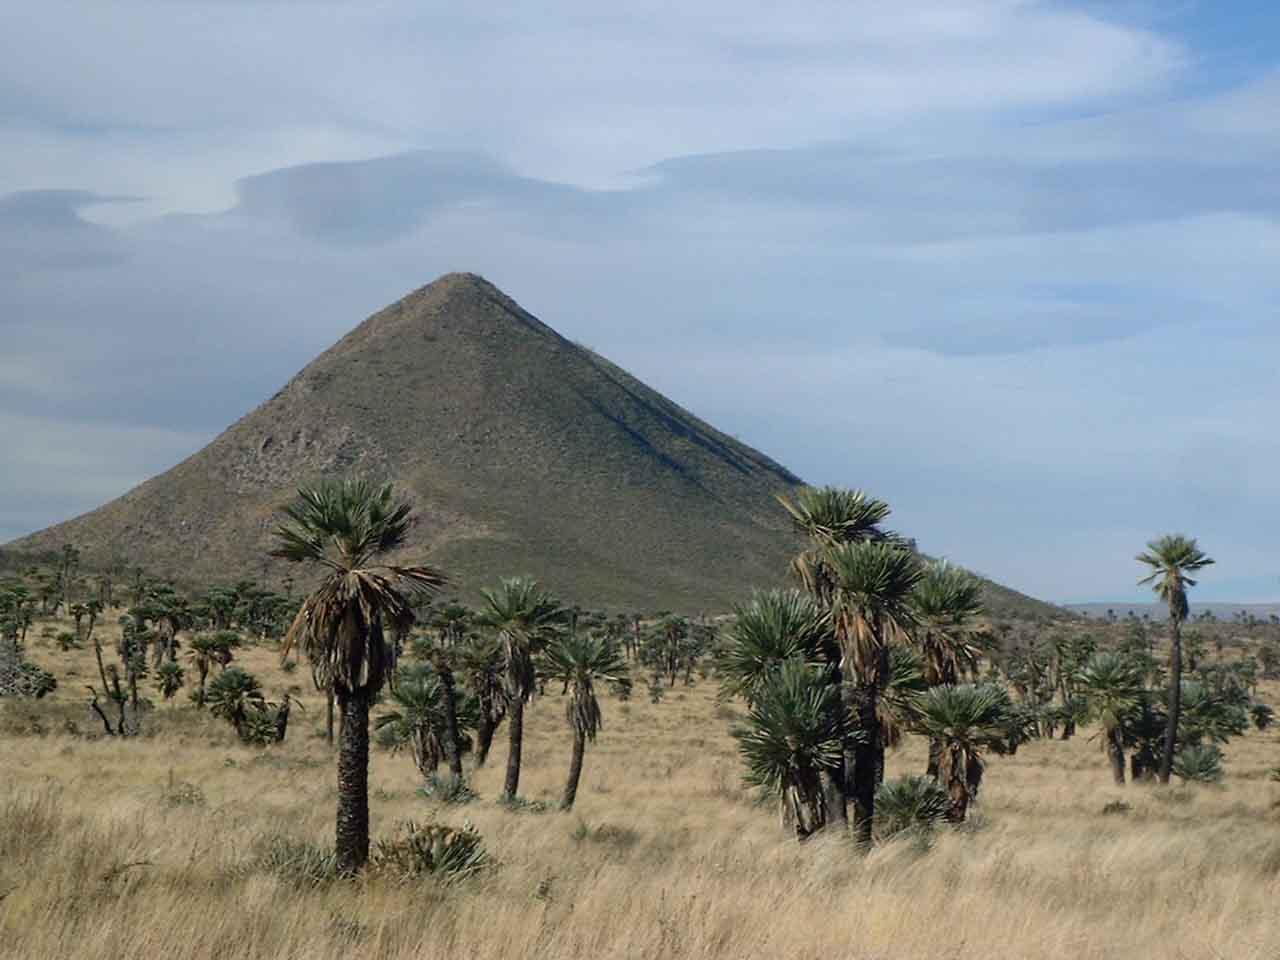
665	856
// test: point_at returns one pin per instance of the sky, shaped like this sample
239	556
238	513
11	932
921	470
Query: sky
1010	265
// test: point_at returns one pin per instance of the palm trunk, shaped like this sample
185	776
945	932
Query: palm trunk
484	735
957	785
515	731
575	770
452	751
352	835
1115	751
935	752
1175	701
865	762
328	720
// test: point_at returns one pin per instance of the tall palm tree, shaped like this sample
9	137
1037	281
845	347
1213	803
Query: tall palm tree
580	662
524	618
1112	685
349	627
794	731
870	609
966	719
947	605
827	517
1172	559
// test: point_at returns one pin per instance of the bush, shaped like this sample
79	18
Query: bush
294	861
447	853
909	803
1262	715
1198	764
448	789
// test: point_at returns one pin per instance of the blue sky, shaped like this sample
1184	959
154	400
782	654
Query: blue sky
1009	264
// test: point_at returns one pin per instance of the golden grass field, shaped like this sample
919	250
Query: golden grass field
665	856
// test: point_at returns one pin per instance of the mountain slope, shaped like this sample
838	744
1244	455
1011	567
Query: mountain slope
522	451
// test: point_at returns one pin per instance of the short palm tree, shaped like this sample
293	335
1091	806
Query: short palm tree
967	720
947	605
208	649
793	732
580	662
169	679
870	609
774	627
419	717
233	694
1112	685
1172	559
480	662
350	626
524	618
451	623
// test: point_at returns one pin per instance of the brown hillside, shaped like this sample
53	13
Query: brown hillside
525	453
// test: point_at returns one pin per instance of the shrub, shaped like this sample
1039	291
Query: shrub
294	861
1198	764
448	789
446	853
909	803
1262	715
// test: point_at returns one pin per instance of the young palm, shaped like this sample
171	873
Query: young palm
794	731
1112	685
966	719
580	662
870	609
233	694
524	618
350	626
208	649
775	627
1172	559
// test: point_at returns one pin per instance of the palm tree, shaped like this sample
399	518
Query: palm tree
1171	560
523	617
580	662
1112	685
233	694
966	719
828	517
947	605
774	627
419	717
350	626
208	649
480	661
451	623
870	609
793	732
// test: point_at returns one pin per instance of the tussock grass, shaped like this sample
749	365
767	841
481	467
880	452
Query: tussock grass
665	854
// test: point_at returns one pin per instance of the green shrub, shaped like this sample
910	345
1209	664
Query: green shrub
909	803
294	861
1198	764
447	853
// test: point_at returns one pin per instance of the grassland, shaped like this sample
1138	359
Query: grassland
154	847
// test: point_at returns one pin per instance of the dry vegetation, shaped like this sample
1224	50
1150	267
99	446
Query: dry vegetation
159	846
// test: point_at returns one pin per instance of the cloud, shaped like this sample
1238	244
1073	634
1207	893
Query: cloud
1006	263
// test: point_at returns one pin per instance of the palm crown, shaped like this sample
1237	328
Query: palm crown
524	617
344	526
1172	559
580	661
946	603
776	626
871	604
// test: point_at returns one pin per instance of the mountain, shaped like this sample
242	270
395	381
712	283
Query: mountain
523	453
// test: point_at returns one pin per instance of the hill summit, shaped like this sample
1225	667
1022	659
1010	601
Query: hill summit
523	453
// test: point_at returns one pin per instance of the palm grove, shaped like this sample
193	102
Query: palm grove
871	643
